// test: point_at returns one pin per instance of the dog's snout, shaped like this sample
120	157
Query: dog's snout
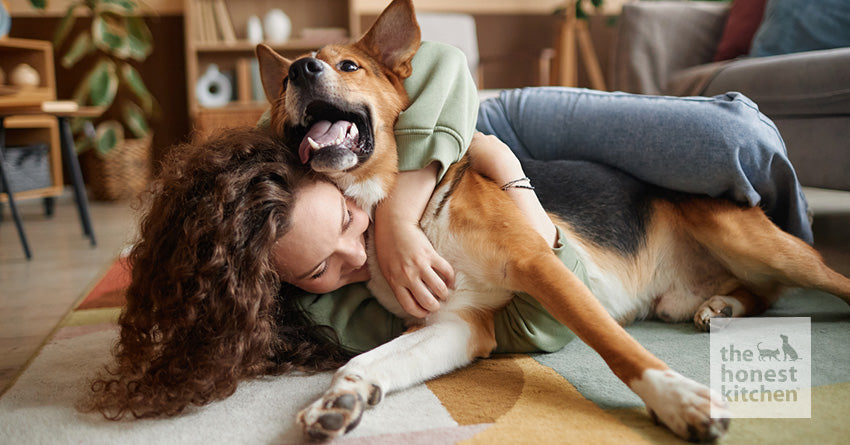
305	70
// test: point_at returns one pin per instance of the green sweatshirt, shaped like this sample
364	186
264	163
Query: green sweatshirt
361	323
438	127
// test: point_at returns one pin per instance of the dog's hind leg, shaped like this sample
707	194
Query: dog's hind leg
757	251
451	342
738	303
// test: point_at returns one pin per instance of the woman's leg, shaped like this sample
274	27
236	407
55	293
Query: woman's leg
719	146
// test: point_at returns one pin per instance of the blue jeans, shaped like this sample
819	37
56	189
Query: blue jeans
719	146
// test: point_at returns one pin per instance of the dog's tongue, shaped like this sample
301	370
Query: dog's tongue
323	134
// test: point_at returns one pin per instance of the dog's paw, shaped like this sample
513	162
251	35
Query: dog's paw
332	415
717	306
340	408
691	410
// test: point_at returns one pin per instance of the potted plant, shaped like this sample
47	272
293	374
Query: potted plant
116	145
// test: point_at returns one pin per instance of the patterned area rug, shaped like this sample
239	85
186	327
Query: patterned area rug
565	397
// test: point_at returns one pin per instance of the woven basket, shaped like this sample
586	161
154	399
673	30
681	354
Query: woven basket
122	174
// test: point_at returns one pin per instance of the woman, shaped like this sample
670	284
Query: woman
226	223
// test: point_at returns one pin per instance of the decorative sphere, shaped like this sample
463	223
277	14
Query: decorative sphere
24	75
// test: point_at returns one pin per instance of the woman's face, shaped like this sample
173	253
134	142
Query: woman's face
325	246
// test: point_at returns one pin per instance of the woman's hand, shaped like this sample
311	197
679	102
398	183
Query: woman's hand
419	277
492	158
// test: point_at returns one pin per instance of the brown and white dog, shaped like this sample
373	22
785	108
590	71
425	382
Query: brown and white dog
687	256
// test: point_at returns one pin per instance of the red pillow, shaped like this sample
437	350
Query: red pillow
744	19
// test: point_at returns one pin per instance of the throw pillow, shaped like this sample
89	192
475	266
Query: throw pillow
791	26
741	25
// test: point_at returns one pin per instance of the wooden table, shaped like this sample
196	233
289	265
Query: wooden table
63	111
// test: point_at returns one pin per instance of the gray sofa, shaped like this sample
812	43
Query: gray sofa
666	47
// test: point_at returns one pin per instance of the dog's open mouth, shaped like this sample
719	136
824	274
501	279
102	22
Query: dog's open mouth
335	131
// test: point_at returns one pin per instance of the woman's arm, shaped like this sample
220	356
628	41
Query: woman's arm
432	134
492	158
417	274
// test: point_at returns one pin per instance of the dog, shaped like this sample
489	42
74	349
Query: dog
769	354
789	351
690	257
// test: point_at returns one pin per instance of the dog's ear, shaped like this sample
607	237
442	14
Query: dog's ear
394	38
273	69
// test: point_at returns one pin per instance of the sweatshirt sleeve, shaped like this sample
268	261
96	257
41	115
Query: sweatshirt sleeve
360	322
525	326
440	121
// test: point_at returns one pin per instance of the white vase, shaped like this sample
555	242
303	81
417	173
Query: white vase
278	26
255	30
213	88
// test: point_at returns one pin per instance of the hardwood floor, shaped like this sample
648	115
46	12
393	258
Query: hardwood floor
35	295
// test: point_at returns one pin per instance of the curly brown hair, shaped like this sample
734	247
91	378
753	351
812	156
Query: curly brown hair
205	308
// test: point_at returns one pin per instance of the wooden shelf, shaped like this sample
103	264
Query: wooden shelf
228	48
24	130
246	46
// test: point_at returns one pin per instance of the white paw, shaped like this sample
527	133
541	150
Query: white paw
339	410
683	405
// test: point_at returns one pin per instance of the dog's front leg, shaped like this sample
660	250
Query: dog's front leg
437	348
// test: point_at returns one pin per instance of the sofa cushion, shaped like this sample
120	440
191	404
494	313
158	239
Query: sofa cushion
744	19
812	83
791	26
656	39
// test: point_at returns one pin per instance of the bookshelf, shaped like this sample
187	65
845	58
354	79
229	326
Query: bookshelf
21	131
216	34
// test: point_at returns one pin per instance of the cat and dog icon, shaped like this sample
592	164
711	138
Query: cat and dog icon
773	354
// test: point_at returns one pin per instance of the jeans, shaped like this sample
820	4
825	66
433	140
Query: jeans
719	146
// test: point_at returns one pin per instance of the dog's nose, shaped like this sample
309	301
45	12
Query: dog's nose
305	70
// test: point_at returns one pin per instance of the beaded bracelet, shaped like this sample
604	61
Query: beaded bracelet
516	184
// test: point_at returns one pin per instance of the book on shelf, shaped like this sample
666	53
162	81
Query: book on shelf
213	22
225	25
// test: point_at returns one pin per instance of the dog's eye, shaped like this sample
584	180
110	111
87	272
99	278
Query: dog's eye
348	66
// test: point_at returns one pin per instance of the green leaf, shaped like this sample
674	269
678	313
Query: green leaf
109	34
82	143
65	25
103	83
134	80
83	128
122	7
109	135
78	123
81	93
81	47
134	120
38	4
580	14
139	38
